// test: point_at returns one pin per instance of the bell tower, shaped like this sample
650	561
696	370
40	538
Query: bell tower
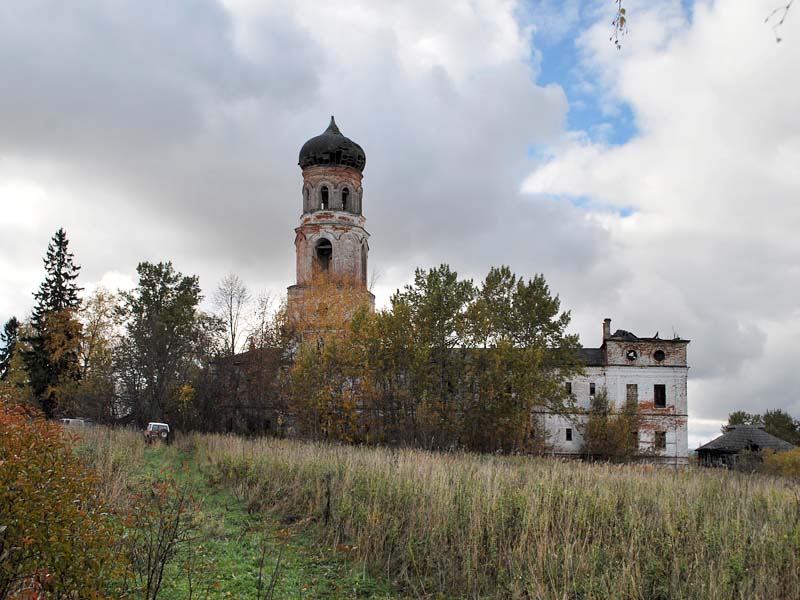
331	242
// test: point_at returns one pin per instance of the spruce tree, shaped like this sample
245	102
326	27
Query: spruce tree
8	338
52	362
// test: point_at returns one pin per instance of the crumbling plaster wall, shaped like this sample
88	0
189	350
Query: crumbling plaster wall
614	379
348	239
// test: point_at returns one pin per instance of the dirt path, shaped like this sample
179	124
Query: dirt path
226	554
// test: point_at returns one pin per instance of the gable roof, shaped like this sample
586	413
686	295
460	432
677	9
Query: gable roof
741	437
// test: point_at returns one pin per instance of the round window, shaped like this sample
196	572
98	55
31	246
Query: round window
631	354
659	355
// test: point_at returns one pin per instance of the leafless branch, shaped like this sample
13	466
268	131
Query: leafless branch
777	17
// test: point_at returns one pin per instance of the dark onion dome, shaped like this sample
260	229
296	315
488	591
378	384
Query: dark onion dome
332	148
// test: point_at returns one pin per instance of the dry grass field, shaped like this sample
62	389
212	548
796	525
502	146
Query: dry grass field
474	526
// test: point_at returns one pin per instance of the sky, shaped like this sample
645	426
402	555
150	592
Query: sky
657	184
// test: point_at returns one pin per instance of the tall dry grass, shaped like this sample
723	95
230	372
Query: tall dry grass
118	456
472	526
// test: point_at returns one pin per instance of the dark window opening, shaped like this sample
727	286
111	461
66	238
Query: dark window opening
569	434
568	387
324	253
660	395
661	440
592	389
323	204
345	198
632	393
659	355
635	438
364	264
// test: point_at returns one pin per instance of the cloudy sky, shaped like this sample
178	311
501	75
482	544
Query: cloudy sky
658	185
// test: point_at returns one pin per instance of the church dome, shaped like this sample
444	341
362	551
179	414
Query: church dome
332	148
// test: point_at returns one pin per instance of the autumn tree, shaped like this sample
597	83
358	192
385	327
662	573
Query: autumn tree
164	333
611	432
447	365
14	385
52	361
437	303
521	357
323	381
95	396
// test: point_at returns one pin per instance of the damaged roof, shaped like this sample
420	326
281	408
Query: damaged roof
332	148
746	437
592	357
627	336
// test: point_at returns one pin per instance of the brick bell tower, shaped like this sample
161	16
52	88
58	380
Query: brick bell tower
331	242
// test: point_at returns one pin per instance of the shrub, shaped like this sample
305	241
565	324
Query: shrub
786	463
57	536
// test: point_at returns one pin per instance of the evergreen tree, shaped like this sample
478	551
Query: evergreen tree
8	338
52	361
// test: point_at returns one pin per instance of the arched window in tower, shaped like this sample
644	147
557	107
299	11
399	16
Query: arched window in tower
345	199
323	202
364	264
324	252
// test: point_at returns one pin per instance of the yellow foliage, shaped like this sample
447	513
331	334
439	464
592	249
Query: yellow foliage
786	464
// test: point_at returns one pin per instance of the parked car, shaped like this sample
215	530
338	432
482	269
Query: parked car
72	422
157	431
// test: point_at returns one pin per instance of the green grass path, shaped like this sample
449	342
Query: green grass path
228	548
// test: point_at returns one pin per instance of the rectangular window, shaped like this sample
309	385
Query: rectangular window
632	394
661	440
568	387
660	395
635	437
591	389
569	434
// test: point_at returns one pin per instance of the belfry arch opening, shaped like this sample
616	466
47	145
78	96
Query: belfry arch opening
345	198
323	254
364	264
323	198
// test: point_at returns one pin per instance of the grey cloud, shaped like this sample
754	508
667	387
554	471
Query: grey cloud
170	141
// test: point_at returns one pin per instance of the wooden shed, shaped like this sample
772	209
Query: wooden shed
727	449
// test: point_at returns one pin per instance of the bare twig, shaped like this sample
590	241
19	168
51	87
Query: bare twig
778	16
274	579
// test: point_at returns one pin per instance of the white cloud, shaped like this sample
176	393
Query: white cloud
712	175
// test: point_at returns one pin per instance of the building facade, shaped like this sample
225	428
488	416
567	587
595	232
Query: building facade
650	373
